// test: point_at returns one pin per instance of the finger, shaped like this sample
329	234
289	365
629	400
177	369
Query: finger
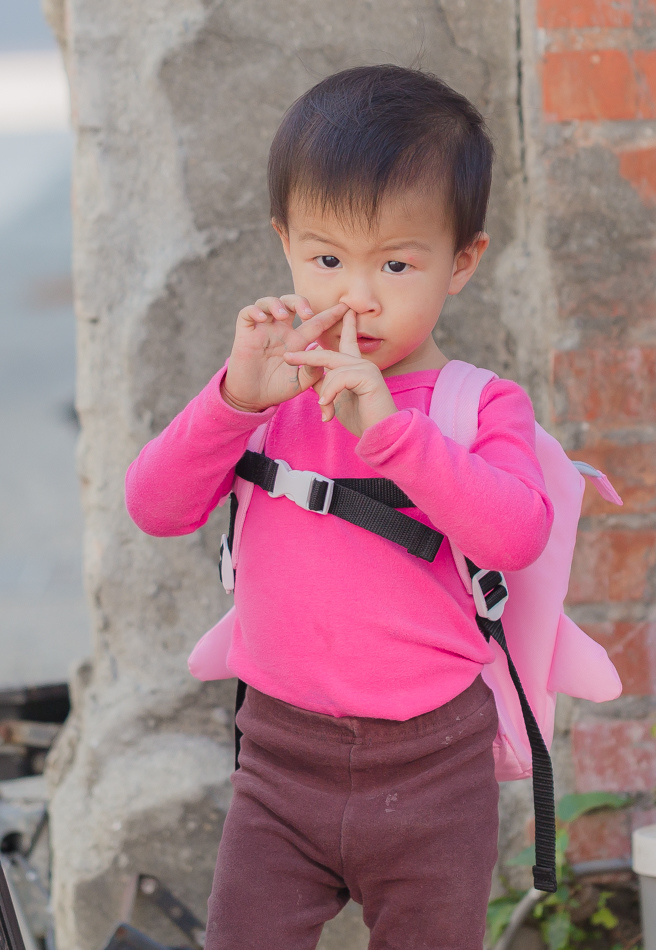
253	314
327	413
319	357
328	410
348	342
335	383
312	328
298	304
275	307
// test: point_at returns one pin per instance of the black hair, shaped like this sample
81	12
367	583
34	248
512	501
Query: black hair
372	130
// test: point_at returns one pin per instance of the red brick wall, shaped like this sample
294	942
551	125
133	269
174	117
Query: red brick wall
598	76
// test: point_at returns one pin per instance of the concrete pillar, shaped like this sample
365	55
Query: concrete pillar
174	106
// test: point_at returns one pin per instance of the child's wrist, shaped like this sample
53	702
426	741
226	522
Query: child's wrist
234	403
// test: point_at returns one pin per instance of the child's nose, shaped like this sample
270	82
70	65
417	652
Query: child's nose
361	298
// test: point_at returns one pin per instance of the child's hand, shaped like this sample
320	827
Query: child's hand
258	376
353	389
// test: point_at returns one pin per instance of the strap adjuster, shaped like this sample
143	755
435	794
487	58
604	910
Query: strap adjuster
226	570
490	602
297	485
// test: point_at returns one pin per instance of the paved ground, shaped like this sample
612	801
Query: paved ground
43	622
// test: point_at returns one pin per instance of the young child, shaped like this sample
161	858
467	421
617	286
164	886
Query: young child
366	767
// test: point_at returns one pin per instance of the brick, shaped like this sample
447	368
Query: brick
600	835
645	61
639	167
631	469
606	834
589	85
645	14
615	310
616	387
632	648
556	14
612	566
570	39
614	755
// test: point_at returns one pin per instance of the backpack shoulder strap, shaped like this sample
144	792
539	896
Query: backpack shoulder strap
454	409
456	397
240	496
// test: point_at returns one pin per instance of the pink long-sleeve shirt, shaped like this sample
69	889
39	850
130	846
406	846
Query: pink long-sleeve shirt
331	617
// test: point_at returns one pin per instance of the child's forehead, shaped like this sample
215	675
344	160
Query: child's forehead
405	217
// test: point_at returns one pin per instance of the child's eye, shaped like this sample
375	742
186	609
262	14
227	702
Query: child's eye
327	260
394	267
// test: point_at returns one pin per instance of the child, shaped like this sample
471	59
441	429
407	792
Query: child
366	765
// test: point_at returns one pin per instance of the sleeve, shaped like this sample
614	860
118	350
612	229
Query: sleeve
179	477
490	500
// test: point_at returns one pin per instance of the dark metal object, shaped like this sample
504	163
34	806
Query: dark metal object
30	894
10	935
126	937
602	866
29	719
39	703
177	912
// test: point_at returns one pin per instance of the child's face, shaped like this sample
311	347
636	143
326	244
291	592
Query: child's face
395	277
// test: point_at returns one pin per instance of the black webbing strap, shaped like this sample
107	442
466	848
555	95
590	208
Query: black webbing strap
239	702
544	870
234	505
368	503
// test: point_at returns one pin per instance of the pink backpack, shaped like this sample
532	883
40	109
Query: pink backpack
551	654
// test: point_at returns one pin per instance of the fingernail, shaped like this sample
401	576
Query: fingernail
324	417
322	401
282	312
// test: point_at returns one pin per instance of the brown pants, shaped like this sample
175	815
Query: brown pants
400	816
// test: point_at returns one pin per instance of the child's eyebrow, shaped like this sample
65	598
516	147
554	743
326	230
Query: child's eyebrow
311	236
393	246
407	246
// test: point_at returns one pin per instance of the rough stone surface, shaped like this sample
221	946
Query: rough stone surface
174	105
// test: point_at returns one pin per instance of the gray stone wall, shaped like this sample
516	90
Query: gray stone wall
174	106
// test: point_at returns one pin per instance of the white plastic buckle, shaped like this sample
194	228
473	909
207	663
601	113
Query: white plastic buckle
491	613
227	570
586	469
297	486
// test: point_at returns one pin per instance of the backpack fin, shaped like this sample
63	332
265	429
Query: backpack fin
575	650
601	482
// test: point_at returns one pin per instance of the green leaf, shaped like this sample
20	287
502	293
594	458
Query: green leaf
525	858
562	844
498	914
604	917
556	931
571	807
562	896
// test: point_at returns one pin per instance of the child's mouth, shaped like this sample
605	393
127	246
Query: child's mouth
368	344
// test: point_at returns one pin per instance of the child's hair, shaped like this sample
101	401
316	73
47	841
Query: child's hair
372	130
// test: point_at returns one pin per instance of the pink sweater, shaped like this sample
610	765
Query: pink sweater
333	618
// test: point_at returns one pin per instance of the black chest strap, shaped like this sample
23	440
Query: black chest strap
369	503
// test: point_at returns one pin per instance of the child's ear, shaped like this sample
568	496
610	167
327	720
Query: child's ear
283	234
466	262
